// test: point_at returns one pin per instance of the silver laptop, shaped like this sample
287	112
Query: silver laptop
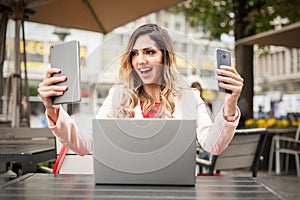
144	151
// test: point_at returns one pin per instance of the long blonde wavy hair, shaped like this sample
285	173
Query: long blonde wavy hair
133	85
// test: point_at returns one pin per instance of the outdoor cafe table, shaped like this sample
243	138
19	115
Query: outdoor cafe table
27	146
75	186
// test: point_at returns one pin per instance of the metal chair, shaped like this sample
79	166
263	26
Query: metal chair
244	151
287	146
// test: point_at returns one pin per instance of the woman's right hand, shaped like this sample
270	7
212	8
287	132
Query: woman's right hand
47	89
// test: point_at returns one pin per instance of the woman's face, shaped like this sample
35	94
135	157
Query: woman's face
147	60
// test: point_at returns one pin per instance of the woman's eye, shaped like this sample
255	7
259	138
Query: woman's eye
134	53
150	52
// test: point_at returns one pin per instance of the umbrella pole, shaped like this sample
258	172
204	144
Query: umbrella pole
16	78
3	26
18	12
25	103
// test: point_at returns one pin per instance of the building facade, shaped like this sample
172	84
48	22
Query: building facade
277	79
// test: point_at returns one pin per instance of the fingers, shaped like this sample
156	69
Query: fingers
51	79
54	80
230	79
50	91
48	88
52	71
227	71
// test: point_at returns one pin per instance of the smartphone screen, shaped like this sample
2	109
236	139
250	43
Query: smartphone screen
223	58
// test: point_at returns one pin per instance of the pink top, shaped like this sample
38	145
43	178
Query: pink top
152	112
213	137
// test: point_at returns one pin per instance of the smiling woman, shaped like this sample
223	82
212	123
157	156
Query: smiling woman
152	58
147	61
149	87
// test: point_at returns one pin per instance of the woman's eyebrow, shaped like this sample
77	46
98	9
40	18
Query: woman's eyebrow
146	48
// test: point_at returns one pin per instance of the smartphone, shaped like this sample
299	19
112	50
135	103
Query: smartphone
66	56
223	58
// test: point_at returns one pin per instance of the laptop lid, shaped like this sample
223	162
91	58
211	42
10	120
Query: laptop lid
144	151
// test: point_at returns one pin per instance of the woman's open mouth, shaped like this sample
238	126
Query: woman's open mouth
145	72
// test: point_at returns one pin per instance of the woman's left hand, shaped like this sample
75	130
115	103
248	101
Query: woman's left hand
234	82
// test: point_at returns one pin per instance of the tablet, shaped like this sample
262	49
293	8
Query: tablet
66	56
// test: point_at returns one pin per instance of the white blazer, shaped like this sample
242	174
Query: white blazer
214	137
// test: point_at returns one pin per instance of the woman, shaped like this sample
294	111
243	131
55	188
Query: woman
208	103
149	88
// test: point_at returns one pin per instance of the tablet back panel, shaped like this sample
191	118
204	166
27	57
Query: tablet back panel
65	56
